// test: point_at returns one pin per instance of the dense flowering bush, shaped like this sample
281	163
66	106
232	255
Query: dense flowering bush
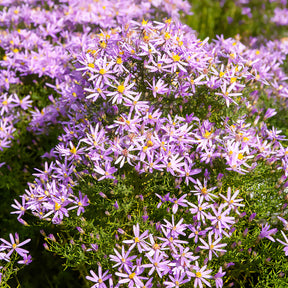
169	168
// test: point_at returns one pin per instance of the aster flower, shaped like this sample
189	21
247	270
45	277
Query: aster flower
200	275
107	171
201	190
220	219
156	263
132	278
170	241
175	230
138	240
182	202
231	202
184	258
15	245
199	210
212	246
266	233
176	280
159	87
218	278
196	231
20	208
99	279
122	260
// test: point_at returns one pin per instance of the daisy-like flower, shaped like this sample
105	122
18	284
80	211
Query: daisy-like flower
175	230
266	233
178	202
203	190
176	62
220	219
170	241
196	232
158	88
184	257
123	91
72	153
122	260
231	202
176	280
156	263
200	276
212	246
124	155
15	245
199	210
132	278
99	279
20	208
138	240
226	93
107	171
188	172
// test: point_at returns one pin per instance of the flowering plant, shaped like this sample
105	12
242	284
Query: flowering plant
168	160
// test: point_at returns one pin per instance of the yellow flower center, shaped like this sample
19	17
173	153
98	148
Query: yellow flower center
119	61
131	276
91	65
102	71
176	58
136	240
204	190
221	74
121	88
198	274
57	206
103	44
73	150
167	36
144	22
150	143
240	156
14	246
207	134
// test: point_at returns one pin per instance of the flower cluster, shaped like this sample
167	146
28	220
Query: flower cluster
6	252
136	91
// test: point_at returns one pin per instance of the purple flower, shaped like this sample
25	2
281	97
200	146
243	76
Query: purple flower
138	240
156	263
15	245
266	233
212	246
132	278
99	279
200	276
176	280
